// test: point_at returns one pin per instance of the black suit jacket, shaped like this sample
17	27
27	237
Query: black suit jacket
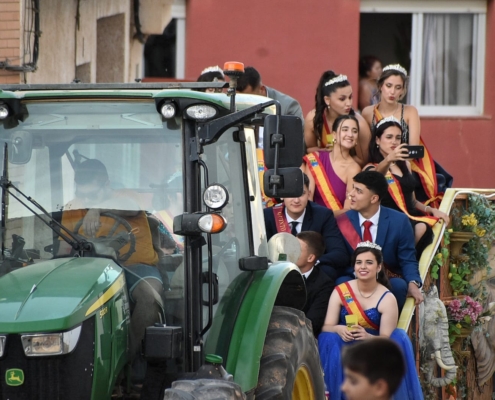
319	287
319	219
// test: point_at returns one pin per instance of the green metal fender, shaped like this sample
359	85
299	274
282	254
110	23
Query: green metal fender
269	288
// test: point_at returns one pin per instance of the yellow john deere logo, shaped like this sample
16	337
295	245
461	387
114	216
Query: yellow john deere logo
14	377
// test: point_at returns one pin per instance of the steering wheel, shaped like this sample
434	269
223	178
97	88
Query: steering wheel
113	239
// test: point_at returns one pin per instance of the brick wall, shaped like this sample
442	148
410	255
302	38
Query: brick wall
10	35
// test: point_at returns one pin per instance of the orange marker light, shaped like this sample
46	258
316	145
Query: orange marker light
212	223
233	66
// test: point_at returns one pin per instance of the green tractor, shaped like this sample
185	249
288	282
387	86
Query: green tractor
180	166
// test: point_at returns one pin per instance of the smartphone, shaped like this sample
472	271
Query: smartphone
350	321
415	151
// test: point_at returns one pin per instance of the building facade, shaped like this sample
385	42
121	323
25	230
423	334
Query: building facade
56	41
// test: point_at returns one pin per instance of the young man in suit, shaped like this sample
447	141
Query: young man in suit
318	285
367	220
298	214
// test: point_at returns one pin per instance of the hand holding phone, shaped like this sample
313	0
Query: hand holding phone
415	151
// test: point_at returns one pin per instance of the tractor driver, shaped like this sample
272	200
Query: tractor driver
94	196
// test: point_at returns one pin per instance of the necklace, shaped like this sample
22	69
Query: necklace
366	297
396	108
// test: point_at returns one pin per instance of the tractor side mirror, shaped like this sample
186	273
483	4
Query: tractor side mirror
289	137
290	182
20	147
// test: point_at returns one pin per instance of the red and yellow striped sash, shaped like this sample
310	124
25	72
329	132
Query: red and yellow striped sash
378	115
322	182
267	201
326	135
425	168
353	307
396	193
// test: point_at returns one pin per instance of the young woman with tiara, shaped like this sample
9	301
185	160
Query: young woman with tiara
211	74
333	98
392	87
388	156
362	309
331	172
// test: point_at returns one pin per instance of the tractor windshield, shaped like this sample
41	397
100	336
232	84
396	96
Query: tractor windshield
108	171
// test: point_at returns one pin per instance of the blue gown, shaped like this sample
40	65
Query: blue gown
330	346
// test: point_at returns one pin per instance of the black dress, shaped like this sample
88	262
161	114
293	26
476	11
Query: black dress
408	183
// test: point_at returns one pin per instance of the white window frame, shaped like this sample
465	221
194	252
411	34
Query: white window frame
420	7
179	12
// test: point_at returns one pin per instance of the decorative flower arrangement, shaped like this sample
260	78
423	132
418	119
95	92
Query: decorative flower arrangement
466	315
469	222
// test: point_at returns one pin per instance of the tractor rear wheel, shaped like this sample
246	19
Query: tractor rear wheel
290	364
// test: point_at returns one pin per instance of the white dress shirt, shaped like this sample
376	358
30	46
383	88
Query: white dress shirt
373	228
300	220
308	273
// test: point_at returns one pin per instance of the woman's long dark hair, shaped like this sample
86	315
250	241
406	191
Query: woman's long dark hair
382	277
320	105
375	156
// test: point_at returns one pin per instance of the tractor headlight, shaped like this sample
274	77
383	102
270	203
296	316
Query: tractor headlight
4	111
168	110
212	223
201	112
216	196
50	344
2	345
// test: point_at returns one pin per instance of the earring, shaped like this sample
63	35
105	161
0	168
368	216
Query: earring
377	276
377	146
334	140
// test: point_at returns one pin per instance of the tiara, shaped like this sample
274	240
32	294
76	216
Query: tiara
215	68
396	67
340	78
388	119
369	245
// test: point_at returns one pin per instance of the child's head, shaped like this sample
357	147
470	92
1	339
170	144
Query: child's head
373	369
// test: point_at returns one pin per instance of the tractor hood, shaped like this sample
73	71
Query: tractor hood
57	294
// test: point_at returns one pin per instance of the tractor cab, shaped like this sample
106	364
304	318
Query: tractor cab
116	197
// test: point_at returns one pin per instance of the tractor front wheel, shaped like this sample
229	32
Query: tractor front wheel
290	364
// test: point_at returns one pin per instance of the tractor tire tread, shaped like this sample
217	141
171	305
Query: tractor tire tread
289	344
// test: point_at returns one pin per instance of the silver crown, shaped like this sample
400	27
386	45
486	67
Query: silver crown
214	68
369	245
340	78
388	119
396	67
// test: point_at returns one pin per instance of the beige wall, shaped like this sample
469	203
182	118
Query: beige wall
10	38
76	43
